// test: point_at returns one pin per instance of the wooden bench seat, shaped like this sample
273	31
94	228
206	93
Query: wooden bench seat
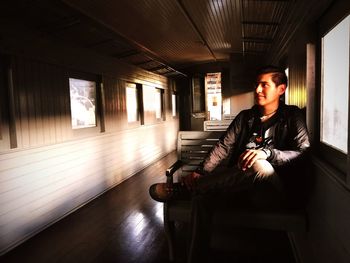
192	147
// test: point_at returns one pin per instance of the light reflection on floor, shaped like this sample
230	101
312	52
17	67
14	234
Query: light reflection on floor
136	223
159	212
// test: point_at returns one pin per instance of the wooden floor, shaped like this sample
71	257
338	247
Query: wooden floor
126	225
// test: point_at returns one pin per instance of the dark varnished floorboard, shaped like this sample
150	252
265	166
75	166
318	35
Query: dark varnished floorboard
125	225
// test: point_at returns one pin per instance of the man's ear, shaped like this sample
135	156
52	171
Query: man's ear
281	88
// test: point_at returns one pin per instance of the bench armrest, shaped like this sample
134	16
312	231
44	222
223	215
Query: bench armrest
172	169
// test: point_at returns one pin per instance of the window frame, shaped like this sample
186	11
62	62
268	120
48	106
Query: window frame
139	103
130	85
331	156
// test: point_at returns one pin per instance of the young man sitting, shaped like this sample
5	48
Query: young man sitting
265	145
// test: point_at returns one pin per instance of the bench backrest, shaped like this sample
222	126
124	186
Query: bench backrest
193	147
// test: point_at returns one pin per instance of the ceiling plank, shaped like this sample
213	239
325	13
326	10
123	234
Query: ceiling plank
192	23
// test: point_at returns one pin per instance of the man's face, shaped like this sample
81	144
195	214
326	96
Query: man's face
266	91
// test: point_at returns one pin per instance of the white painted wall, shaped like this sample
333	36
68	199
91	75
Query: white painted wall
40	186
241	102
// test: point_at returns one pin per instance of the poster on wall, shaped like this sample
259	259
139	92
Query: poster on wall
214	98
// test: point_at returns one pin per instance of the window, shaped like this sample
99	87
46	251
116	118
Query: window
83	103
132	102
173	105
334	92
335	87
159	104
153	104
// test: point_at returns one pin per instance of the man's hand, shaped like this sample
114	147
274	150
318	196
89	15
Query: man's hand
248	158
190	180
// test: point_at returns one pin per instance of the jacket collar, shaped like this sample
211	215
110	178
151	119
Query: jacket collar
254	113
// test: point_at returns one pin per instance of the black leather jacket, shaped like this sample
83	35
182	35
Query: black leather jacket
289	133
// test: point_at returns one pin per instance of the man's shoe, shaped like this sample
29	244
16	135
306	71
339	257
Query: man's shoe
161	192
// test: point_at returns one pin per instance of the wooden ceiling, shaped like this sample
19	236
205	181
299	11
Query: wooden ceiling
167	36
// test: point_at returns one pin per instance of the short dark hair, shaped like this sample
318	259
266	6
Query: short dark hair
279	75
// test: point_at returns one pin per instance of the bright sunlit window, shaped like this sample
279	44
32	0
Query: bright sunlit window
158	103
173	105
335	86
132	102
83	103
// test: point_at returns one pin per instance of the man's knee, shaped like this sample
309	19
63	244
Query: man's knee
262	169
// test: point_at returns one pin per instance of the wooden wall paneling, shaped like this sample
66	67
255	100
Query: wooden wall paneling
141	106
61	91
22	115
102	105
41	106
58	53
28	82
311	114
16	100
32	84
331	204
4	106
36	90
67	108
40	185
63	106
115	95
53	90
120	101
299	66
55	93
329	216
115	100
34	101
168	103
168	99
48	177
58	91
297	81
12	109
2	109
48	132
109	107
53	76
31	100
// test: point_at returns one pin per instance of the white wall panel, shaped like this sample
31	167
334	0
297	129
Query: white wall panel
41	185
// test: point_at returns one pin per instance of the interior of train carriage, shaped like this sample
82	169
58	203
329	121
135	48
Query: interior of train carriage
94	93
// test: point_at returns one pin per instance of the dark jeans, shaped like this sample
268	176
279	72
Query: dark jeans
230	188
